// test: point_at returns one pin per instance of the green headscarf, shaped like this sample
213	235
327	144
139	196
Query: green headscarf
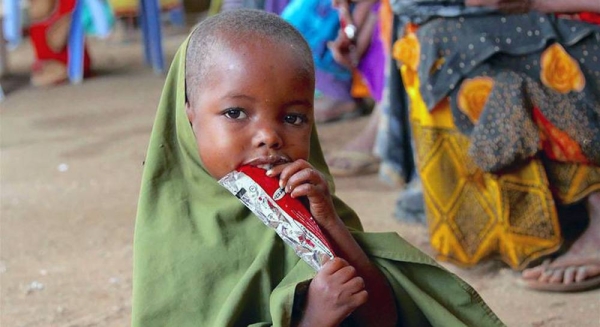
201	258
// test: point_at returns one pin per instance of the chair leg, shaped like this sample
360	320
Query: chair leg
145	34
177	16
150	15
11	10
3	52
76	45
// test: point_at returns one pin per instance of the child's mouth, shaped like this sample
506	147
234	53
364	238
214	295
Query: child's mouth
265	167
268	162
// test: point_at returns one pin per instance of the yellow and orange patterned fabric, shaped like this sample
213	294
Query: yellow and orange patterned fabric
503	204
131	7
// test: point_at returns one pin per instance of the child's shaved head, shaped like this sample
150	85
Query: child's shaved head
221	31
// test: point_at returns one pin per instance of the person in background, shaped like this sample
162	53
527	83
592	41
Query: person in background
504	113
319	23
367	55
50	21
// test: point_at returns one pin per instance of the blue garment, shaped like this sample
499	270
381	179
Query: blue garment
394	142
98	18
318	22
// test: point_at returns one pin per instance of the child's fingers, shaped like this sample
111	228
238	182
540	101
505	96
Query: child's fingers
284	171
305	176
323	278
360	298
307	190
345	274
297	173
355	285
316	194
342	49
276	170
326	259
333	265
347	302
289	172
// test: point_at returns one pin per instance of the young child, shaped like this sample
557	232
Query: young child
240	91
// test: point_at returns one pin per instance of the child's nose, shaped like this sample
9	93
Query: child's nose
268	137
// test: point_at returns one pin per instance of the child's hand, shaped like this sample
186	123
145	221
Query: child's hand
334	293
344	51
337	290
298	179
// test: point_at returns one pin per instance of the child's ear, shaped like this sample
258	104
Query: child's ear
190	112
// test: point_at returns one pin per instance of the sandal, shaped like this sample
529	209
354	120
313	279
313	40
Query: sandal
347	163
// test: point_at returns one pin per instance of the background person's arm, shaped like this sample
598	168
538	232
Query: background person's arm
546	6
566	5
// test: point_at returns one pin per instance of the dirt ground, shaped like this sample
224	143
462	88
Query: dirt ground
71	162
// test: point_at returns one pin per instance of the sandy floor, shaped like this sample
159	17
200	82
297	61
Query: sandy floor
71	161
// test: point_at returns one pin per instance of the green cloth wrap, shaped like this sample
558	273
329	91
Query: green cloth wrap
201	258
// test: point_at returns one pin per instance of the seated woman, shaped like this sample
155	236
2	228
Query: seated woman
504	109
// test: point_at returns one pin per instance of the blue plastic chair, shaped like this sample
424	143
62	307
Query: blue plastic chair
151	33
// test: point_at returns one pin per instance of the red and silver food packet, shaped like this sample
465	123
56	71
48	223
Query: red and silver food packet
286	215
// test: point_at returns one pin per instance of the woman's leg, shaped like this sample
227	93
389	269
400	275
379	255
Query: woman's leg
365	140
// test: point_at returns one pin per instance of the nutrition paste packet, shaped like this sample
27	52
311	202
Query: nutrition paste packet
286	215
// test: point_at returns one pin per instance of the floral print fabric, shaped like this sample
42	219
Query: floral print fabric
513	134
496	69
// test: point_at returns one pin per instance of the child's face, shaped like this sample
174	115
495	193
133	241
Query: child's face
255	107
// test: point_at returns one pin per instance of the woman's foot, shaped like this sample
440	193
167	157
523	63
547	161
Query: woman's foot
328	109
410	206
577	269
357	158
48	72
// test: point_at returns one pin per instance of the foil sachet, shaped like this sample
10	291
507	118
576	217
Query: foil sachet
286	215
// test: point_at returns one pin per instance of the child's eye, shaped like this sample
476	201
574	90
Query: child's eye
235	113
294	119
